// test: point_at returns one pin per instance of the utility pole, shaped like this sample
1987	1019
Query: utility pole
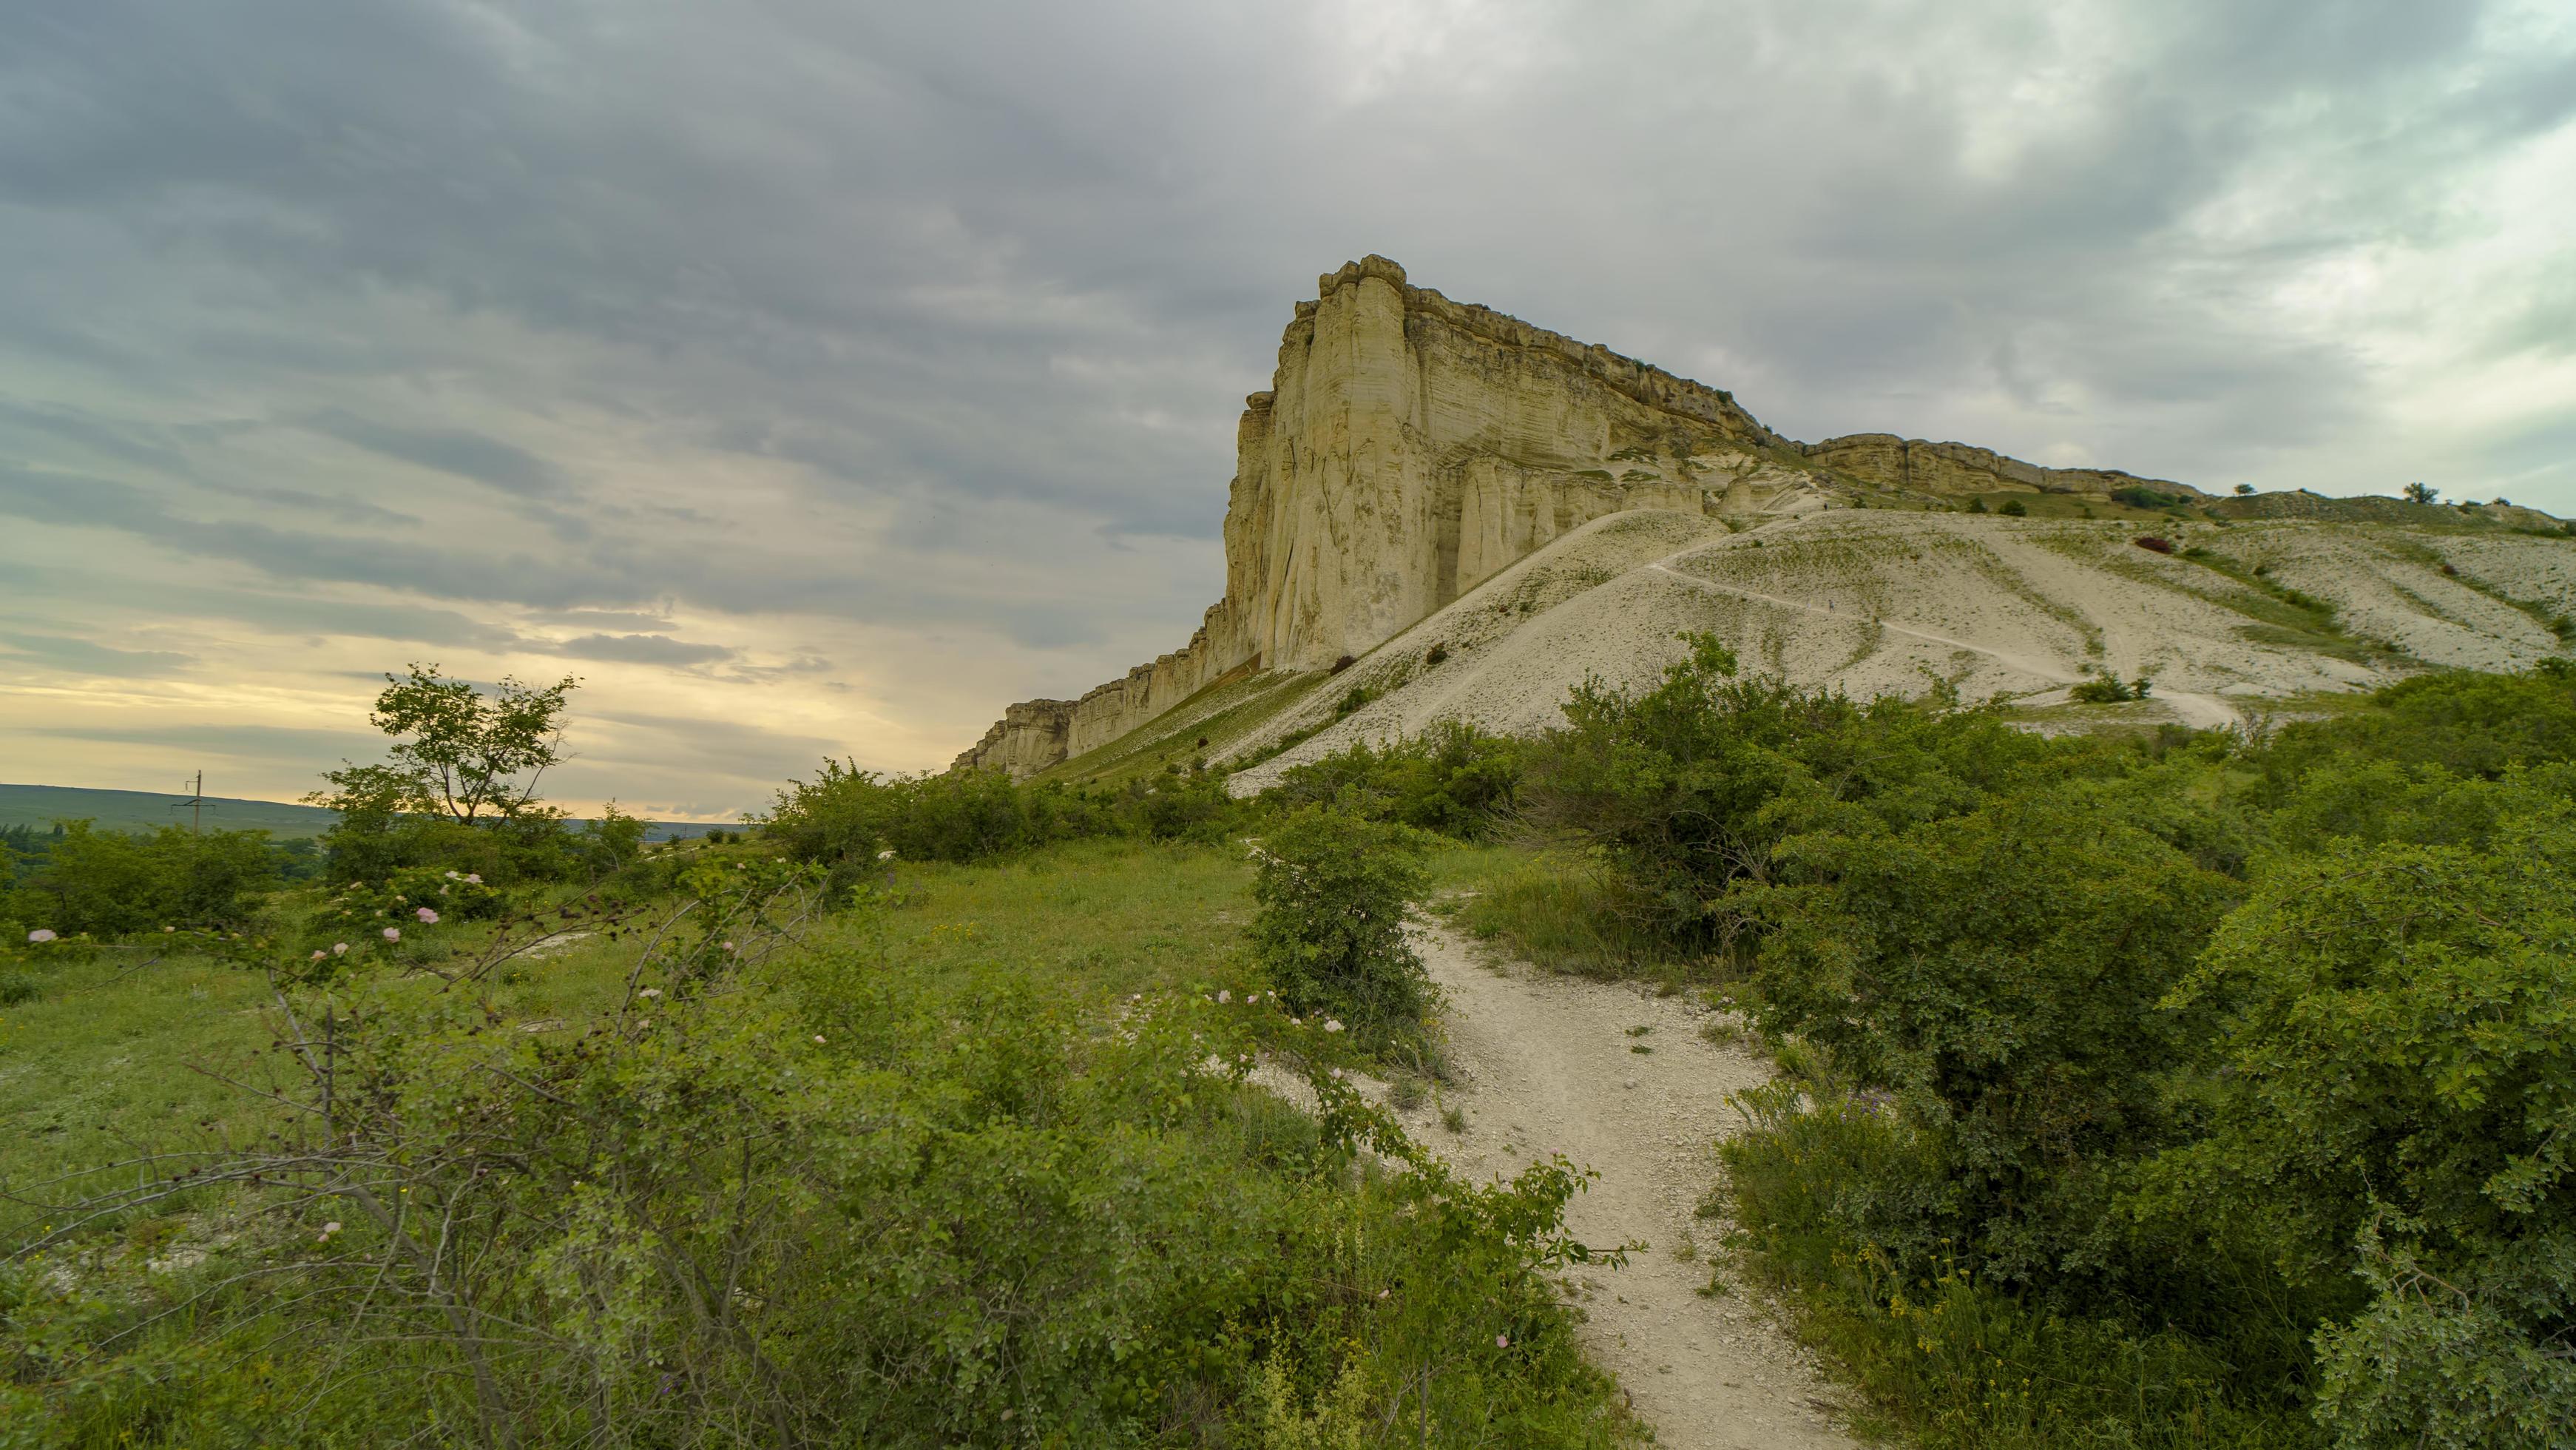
195	805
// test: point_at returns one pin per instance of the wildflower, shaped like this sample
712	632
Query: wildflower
393	933
442	891
339	949
1296	1021
886	854
728	946
41	934
650	992
1332	1024
473	880
169	928
818	1037
319	954
402	898
1251	997
329	1229
1502	1341
427	916
451	875
1382	1293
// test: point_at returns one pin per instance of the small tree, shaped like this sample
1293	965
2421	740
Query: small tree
2244	490
461	753
2422	493
1333	888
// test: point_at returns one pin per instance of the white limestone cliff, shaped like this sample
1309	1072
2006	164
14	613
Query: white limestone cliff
1411	447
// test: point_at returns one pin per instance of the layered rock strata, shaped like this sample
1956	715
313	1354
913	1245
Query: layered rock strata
1411	447
1911	464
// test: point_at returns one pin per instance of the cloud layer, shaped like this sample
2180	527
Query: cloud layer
818	378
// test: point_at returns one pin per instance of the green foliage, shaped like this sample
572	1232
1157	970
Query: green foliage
2400	1075
851	819
2014	509
613	841
1452	778
107	883
2191	1090
458	788
2109	690
2139	496
830	1204
1333	889
2422	493
2007	968
459	752
2468	724
1687	788
1820	1183
1568	915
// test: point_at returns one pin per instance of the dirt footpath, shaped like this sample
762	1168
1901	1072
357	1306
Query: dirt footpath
1550	1065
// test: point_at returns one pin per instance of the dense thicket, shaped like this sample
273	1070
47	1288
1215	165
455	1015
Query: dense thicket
845	818
2245	1058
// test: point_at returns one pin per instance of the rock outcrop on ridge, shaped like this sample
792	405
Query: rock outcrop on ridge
1412	449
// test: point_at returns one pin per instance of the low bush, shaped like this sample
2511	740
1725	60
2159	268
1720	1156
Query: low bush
845	817
2110	690
1452	779
1333	890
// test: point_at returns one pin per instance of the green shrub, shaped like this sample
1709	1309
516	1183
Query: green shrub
1686	788
2008	967
108	883
2401	1078
2109	690
1452	778
1333	889
2014	508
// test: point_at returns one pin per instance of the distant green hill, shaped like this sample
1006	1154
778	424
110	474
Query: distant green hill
142	810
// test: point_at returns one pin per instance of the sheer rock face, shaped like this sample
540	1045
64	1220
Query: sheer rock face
1411	447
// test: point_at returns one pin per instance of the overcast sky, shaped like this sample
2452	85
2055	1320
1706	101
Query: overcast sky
814	377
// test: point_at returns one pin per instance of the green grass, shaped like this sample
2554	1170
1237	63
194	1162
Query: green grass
124	1055
1220	714
128	1053
1554	911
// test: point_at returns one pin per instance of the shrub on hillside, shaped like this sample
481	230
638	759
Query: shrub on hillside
1453	778
2464	722
2398	1093
1686	788
1333	889
2001	973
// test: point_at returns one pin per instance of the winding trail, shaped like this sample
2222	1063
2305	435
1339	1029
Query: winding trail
1550	1066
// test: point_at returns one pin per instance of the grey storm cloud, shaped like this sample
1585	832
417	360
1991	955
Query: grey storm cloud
938	317
457	451
646	649
80	656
